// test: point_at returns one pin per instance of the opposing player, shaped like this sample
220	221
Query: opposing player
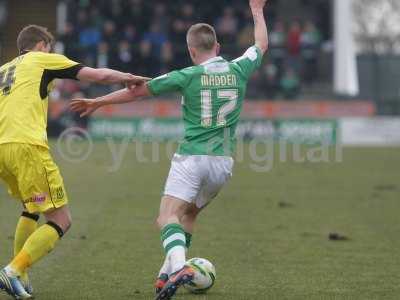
25	162
213	92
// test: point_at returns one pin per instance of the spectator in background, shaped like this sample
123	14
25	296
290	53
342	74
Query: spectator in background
166	58
254	85
116	14
178	32
180	25
129	38
290	84
155	39
89	38
278	46
245	36
124	57
82	20
103	55
138	14
293	45
110	36
271	80
310	43
64	89
188	16
146	66
264	83
104	59
227	26
160	14
130	34
178	38
69	41
96	17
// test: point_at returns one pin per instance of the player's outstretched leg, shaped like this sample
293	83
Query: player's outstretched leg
173	239
38	245
27	225
187	221
164	273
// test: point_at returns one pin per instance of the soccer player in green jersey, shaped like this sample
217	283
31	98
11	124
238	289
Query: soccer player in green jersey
213	92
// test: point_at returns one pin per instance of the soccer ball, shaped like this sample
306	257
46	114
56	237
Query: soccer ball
204	277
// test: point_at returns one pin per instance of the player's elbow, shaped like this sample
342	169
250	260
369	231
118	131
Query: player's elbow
263	46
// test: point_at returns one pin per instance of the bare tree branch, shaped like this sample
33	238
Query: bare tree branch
377	25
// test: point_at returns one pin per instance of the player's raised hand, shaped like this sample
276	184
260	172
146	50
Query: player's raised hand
84	106
257	4
136	81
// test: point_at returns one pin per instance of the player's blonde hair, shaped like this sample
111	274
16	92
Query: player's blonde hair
202	37
31	35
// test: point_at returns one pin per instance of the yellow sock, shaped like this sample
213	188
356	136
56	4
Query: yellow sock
27	225
21	262
38	245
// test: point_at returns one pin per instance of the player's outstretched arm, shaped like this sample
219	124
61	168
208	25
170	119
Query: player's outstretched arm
87	106
108	76
260	27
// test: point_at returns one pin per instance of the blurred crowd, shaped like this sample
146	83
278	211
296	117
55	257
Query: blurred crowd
149	38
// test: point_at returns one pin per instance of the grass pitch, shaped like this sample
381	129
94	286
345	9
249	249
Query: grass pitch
267	233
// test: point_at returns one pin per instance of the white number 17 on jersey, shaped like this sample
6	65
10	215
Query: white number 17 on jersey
227	108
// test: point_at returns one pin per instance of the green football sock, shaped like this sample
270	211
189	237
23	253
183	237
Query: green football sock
174	243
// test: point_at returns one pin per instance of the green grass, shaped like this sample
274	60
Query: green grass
267	233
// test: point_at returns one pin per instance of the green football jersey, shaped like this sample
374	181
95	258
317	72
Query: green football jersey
213	95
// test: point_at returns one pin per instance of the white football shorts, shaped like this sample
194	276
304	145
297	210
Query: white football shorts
198	179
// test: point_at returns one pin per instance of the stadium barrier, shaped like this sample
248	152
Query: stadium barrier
167	108
302	131
350	131
346	122
251	109
377	131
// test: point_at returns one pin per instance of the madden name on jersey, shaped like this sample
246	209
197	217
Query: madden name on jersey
219	80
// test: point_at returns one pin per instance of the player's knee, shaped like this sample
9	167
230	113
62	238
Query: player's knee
68	223
61	217
65	221
63	225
